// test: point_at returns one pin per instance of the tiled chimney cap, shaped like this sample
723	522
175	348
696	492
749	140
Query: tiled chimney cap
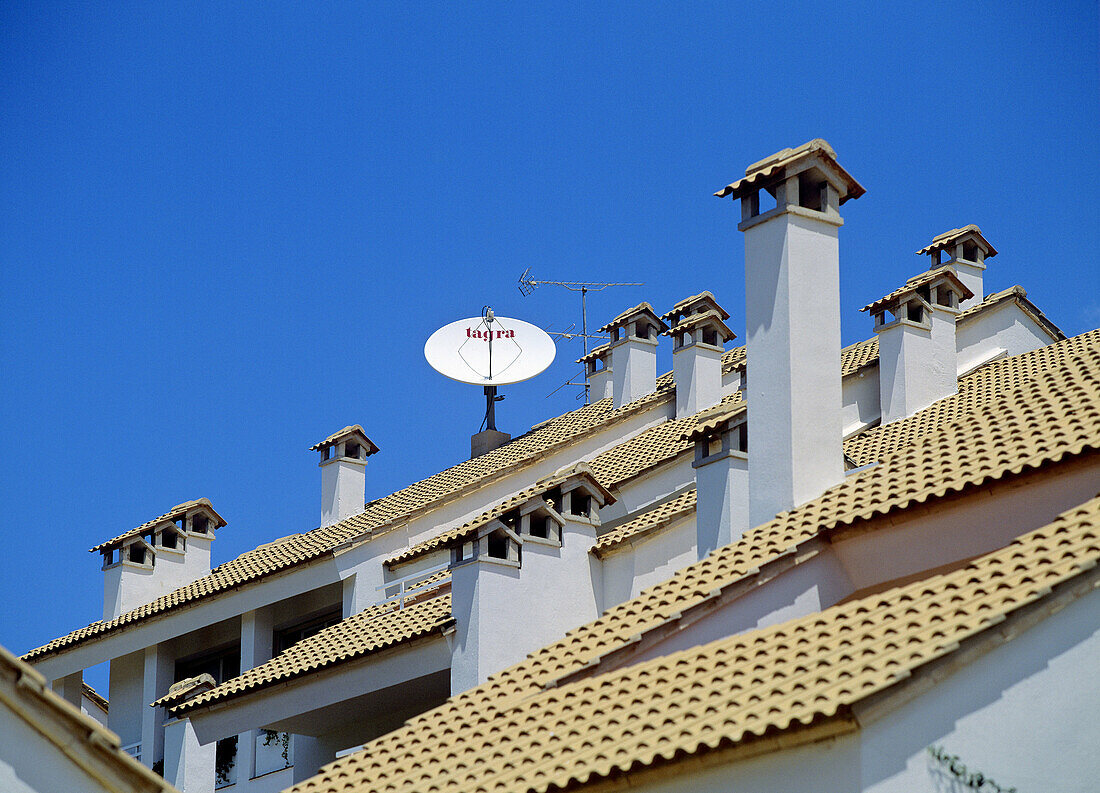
694	304
178	511
949	239
789	162
595	354
353	431
631	314
914	284
711	318
716	423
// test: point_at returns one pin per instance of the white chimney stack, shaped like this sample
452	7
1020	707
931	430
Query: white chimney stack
597	370
792	299
633	353
721	480
157	557
967	250
698	331
915	325
343	473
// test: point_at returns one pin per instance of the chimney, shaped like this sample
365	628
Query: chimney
522	576
792	300
597	371
698	331
633	353
915	325
967	251
721	479
343	473
157	557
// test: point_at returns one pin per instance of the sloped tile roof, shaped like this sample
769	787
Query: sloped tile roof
975	389
376	628
380	514
733	690
181	690
648	522
174	513
470	528
635	456
1040	422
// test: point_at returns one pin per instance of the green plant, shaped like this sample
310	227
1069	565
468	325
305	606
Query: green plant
971	779
273	738
225	757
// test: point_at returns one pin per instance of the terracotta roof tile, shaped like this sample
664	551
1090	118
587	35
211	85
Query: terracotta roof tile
733	690
1042	421
770	169
912	285
351	429
642	308
647	523
369	631
703	298
630	458
941	241
171	515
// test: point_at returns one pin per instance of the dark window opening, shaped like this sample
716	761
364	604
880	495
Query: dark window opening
710	337
579	503
222	665
137	553
970	251
742	436
553	497
326	453
498	545
286	637
915	312
200	524
169	539
540	526
351	450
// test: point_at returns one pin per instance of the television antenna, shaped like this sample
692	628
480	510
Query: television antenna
527	285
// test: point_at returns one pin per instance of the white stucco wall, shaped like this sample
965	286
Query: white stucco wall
1004	327
647	561
860	394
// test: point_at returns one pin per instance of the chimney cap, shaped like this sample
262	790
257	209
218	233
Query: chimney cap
789	162
710	317
916	283
352	431
955	236
176	512
697	303
717	422
595	353
643	309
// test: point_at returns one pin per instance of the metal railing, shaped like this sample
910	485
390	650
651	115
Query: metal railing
134	750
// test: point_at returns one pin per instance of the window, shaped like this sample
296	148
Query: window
169	539
200	524
222	665
579	503
286	637
136	553
498	545
351	450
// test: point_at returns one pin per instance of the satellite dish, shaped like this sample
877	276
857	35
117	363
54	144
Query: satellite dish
489	350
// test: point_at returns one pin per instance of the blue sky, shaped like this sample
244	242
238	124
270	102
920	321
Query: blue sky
227	229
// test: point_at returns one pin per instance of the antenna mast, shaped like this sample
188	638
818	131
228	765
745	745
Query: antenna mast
527	285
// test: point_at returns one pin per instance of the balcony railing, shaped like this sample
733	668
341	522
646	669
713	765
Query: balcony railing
415	585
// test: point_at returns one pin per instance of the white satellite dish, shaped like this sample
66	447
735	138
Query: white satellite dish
490	350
